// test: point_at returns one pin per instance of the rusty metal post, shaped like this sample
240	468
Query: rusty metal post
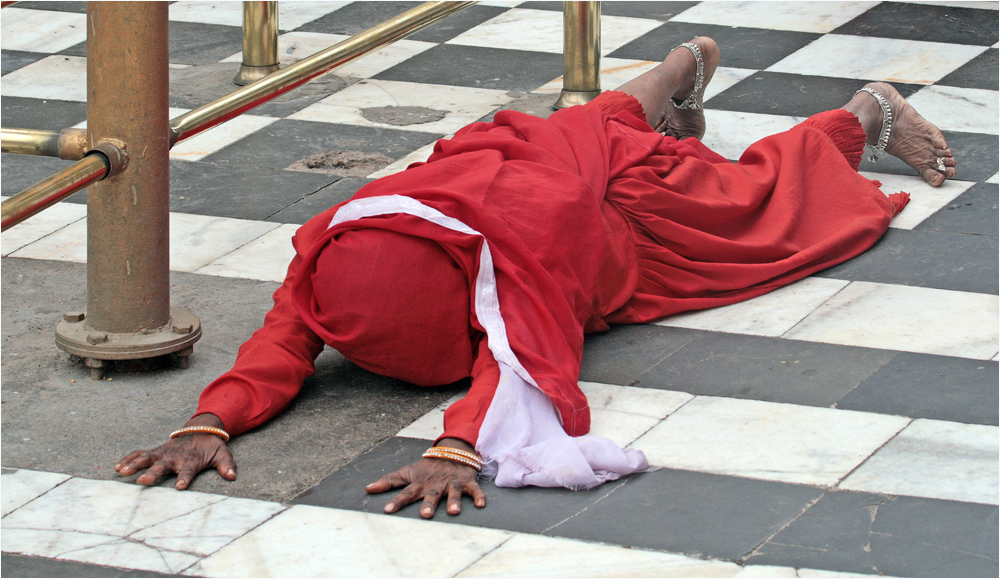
128	247
260	41
581	53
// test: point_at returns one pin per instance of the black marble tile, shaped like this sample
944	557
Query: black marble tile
980	72
975	211
284	142
776	93
307	208
457	23
79	49
196	43
755	48
11	60
651	10
478	67
529	510
356	17
22	566
240	192
762	368
926	386
697	514
28	113
74	6
623	353
954	24
895	536
23	171
935	259
977	156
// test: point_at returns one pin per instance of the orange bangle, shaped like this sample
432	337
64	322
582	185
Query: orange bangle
203	430
436	452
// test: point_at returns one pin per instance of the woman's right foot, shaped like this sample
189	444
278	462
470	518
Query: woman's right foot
682	123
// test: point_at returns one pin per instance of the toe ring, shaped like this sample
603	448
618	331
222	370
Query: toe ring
940	165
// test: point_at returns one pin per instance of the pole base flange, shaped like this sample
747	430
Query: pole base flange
248	74
569	98
74	336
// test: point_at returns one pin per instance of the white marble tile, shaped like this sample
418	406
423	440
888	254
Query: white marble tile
350	544
127	525
527	555
767	440
994	179
924	199
725	77
53	77
430	425
622	428
66	244
460	105
951	108
765	571
291	15
210	141
198	240
935	459
771	314
906	318
872	58
41	30
742	130
23	486
418	156
641	401
614	73
819	17
542	31
41	224
265	258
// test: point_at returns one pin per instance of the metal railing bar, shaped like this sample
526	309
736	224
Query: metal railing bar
70	144
53	189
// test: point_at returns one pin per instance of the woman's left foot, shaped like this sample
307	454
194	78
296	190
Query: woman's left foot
686	116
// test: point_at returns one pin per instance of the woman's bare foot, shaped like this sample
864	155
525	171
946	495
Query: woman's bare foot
912	139
690	122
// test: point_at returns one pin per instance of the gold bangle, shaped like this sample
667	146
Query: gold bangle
430	453
469	455
201	429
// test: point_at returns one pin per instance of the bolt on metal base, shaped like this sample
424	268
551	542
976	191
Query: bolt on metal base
96	347
568	98
249	74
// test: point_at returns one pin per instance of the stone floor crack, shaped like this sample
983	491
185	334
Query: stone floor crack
584	509
756	550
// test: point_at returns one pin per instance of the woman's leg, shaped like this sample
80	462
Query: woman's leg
674	78
912	139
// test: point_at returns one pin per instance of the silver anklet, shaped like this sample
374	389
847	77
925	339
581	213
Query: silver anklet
691	102
883	136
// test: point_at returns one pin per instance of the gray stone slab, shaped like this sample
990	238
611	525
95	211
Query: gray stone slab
529	510
923	22
761	368
11	60
895	536
623	353
980	72
478	67
197	43
754	48
356	17
925	386
651	10
697	514
284	142
314	204
977	155
53	115
239	191
457	23
21	566
975	212
22	171
936	259
55	419
79	7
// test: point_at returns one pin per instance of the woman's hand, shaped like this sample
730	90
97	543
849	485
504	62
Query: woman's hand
186	455
431	479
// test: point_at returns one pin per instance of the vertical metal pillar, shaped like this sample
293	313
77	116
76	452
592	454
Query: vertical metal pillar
581	53
128	246
260	41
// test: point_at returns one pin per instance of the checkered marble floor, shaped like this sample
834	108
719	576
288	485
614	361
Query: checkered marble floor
846	424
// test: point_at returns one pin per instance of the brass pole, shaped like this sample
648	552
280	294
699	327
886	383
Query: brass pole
70	144
295	75
128	247
53	189
581	53
260	41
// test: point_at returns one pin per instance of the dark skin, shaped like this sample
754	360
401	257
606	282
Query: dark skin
430	479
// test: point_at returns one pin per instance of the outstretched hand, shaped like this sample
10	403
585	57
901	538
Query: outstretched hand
185	455
431	479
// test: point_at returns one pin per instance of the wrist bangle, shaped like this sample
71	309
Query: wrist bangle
458	451
203	430
443	453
